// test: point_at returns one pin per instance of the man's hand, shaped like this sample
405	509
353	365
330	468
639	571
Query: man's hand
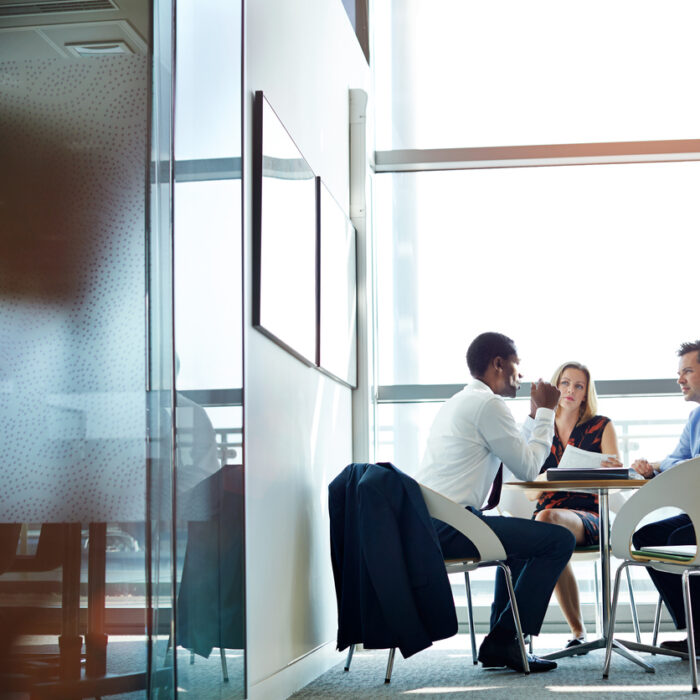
543	395
643	467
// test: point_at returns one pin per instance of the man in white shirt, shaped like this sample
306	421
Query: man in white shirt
473	434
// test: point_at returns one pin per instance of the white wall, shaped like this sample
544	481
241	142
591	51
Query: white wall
304	56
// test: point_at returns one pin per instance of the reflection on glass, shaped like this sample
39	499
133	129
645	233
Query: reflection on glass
285	232
338	346
73	351
209	556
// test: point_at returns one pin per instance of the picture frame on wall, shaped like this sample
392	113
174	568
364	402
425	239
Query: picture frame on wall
337	289
285	232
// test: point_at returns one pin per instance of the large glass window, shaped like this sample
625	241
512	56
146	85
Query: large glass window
579	262
452	73
585	262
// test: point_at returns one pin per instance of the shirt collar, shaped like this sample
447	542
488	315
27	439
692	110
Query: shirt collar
478	385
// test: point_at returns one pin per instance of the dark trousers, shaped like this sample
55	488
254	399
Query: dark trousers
536	554
675	530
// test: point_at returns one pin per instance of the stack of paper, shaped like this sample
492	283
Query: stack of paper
577	464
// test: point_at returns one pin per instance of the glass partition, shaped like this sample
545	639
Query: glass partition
121	514
209	557
74	118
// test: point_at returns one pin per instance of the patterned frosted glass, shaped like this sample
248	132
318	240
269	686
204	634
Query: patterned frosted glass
72	287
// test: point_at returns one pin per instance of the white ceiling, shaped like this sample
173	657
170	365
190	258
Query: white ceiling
43	32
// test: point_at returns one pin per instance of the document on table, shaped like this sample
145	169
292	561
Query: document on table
576	458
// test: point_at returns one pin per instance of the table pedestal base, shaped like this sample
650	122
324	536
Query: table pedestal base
624	648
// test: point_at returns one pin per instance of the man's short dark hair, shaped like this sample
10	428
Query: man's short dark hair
685	348
486	347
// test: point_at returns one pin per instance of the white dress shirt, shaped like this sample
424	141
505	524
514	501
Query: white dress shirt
471	435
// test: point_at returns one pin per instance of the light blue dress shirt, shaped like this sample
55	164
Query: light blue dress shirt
689	444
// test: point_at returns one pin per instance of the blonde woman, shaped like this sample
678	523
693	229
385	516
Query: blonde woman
576	423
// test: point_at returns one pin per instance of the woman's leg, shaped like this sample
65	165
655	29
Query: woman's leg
566	589
566	592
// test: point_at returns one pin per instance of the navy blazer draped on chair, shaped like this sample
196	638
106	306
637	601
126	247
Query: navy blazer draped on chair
390	579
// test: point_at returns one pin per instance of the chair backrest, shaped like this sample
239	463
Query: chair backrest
678	486
479	533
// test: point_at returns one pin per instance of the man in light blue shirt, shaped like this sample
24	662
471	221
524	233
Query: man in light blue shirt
678	529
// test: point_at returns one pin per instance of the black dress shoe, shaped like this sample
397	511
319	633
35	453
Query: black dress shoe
495	654
680	645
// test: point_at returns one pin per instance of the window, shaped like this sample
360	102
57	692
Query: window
588	259
454	73
584	262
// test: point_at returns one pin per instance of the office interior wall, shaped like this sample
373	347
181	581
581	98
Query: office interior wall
305	57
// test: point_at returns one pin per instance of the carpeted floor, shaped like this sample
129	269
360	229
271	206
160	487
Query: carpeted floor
446	671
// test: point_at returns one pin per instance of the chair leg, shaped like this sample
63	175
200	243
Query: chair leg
633	607
516	615
224	666
351	650
596	588
657	623
611	623
691	632
470	614
390	665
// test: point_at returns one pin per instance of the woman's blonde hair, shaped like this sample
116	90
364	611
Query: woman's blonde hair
589	406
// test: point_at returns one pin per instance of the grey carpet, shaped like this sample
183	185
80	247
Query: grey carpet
447	672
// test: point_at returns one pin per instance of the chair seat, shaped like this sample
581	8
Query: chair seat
450	562
586	553
460	566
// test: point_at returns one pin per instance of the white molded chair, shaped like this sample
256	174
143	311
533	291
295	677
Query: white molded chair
491	553
515	503
679	487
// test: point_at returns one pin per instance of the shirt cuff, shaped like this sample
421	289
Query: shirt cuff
666	464
544	414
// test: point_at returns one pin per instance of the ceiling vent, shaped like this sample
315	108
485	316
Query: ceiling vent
19	9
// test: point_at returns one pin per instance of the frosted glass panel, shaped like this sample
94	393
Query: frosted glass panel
74	184
72	285
465	73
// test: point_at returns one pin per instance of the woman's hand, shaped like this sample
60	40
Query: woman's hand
611	462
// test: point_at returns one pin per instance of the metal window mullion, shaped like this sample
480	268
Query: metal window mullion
416	160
